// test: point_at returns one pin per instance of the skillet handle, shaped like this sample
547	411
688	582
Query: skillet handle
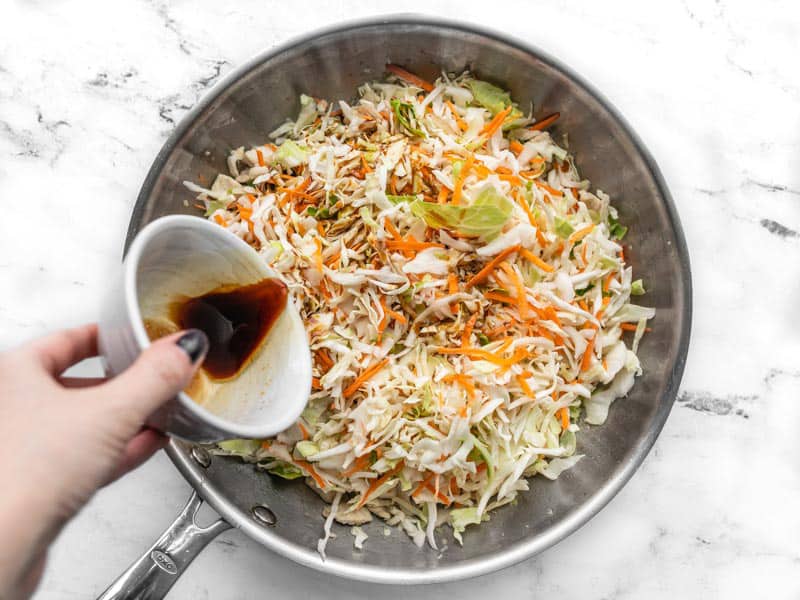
159	567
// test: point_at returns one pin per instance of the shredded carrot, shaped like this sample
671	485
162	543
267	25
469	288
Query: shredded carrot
300	189
462	176
632	327
563	413
540	238
491	266
388	312
397	316
318	254
459	121
492	357
538	160
333	258
468	331
545	122
452	283
537	261
411	244
245	212
391	229
504	346
452	288
607	281
522	300
442	197
289	192
260	157
516	147
552	315
378	483
551	190
410	77
524	204
358	381
576	236
306	466
512	179
481	170
358	465
384	319
365	165
303	430
324	358
220	220
464	381
315	383
496	122
583	305
502	328
622	253
266	444
498	297
439	495
525	387
323	287
587	354
419	489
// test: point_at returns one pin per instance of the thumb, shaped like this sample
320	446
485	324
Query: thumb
160	372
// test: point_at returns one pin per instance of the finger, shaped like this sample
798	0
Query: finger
33	574
59	351
81	382
160	372
146	443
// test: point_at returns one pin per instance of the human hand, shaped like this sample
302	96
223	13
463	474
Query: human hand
65	438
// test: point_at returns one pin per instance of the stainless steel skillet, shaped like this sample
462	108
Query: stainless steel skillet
286	516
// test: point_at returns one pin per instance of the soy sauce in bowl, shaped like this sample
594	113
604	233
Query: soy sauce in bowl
236	320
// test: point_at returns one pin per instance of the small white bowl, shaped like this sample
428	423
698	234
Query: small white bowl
179	256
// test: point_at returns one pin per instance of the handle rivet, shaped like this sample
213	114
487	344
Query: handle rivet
264	515
201	456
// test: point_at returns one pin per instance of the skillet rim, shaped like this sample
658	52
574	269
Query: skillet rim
522	550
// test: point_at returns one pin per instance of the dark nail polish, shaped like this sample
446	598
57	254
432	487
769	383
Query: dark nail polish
195	343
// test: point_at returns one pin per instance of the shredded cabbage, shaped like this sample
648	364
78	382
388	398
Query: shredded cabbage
461	517
465	295
240	447
492	97
484	218
290	155
359	537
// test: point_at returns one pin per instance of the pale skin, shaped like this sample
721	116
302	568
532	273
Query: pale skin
65	438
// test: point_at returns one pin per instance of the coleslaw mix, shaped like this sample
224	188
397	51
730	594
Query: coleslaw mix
465	293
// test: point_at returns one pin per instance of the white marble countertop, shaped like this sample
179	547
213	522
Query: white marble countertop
90	90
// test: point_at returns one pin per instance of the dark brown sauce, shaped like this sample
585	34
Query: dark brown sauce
236	320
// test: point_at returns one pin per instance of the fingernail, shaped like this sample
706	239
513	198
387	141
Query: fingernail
195	343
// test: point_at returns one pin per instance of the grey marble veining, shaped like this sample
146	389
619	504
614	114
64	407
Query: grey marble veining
90	90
